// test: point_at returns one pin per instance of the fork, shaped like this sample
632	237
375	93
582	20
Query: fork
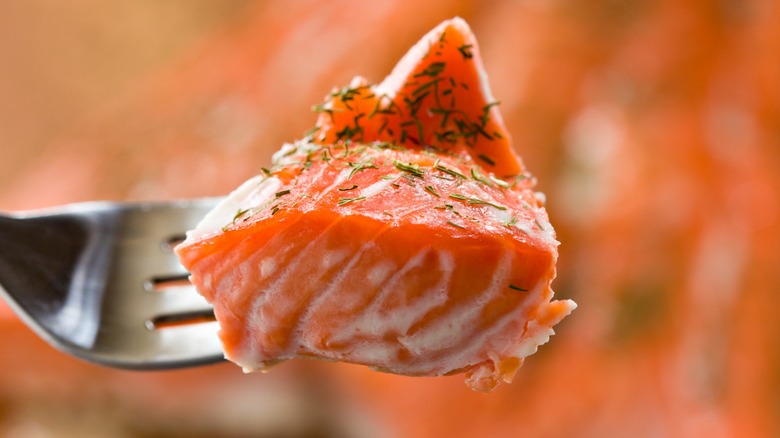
100	281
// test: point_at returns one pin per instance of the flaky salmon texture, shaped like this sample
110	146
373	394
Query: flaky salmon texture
402	233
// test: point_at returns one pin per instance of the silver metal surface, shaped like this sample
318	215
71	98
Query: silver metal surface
100	281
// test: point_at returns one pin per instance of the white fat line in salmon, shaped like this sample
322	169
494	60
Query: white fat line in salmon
336	282
439	333
374	322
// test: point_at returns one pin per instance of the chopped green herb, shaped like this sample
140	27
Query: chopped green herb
380	109
384	125
486	112
308	163
499	182
433	70
447	170
432	191
344	189
449	207
344	201
425	86
465	50
513	287
239	213
410	168
487	159
475	201
322	108
348	94
455	224
311	131
349	132
282	193
363	165
477	176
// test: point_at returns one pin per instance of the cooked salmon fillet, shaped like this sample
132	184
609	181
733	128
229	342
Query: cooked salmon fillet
402	233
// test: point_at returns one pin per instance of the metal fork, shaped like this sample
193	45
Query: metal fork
100	281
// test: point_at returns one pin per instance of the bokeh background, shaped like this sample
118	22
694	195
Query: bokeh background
652	126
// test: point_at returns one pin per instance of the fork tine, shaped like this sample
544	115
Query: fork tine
186	343
177	302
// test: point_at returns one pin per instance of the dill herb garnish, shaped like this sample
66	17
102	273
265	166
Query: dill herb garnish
445	115
449	207
348	94
499	182
486	112
447	170
322	108
325	156
308	163
465	51
518	288
432	191
425	86
239	213
409	168
363	165
403	135
414	105
433	70
282	193
311	131
384	125
476	175
475	201
487	159
349	132
344	201
379	109
345	189
457	225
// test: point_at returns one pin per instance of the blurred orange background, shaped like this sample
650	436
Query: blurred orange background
653	128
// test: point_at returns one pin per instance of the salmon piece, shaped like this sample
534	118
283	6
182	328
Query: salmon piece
403	233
